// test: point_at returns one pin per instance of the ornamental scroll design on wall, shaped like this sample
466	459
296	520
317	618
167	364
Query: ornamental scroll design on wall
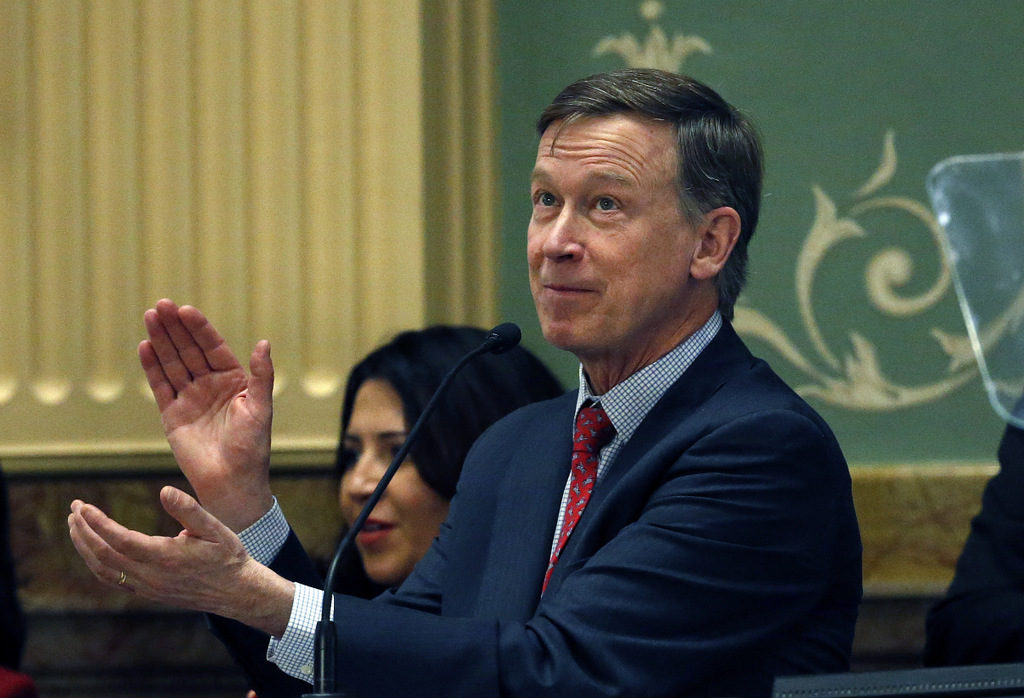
855	379
656	51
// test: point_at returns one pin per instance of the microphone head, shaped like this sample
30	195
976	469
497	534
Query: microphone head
503	337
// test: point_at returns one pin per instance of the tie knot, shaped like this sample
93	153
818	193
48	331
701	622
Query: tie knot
593	429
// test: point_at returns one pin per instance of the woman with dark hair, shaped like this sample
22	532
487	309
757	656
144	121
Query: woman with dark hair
385	394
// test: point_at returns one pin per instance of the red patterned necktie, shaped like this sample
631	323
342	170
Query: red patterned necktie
593	431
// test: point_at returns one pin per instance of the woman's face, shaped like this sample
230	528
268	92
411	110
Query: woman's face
405	521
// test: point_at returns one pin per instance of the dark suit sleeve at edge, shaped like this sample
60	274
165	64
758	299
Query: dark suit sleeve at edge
981	618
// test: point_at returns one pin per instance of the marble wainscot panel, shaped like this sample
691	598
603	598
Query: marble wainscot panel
88	639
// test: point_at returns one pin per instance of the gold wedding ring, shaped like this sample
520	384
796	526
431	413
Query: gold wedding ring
123	578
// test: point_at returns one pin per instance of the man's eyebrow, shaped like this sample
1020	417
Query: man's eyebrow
542	176
539	174
610	176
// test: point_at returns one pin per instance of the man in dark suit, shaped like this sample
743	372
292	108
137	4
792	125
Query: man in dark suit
981	618
708	542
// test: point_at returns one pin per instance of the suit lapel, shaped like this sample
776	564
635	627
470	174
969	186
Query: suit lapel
614	503
724	356
522	532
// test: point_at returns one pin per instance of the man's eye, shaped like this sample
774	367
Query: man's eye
546	198
606	204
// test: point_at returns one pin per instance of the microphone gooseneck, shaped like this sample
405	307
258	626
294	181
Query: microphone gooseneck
500	339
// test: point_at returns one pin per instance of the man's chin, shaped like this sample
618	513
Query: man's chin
564	336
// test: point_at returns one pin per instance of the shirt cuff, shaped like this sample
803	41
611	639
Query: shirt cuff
265	538
293	651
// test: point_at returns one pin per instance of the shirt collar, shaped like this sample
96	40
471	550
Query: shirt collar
628	403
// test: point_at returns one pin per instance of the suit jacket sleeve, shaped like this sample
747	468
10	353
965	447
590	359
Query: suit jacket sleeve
981	618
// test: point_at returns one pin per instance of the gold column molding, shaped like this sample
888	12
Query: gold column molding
461	161
320	174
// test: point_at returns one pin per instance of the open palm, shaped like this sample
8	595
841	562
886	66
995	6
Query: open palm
217	418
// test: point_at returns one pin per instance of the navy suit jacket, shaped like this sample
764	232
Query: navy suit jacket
719	550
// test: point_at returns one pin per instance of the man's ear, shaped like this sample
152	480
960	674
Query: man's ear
718	235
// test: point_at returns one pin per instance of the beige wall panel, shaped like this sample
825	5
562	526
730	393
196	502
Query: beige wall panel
452	136
331	217
58	190
222	166
480	259
262	160
389	157
15	204
461	162
277	288
111	63
166	118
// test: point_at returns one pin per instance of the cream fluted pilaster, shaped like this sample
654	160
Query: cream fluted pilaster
283	165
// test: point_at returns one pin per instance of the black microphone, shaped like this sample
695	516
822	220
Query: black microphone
500	339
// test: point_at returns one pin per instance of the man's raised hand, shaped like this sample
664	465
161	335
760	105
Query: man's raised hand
217	418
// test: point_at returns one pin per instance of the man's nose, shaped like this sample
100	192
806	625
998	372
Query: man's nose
563	236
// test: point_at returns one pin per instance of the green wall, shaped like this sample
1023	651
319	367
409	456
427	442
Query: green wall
827	83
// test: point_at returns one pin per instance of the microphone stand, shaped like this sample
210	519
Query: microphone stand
501	338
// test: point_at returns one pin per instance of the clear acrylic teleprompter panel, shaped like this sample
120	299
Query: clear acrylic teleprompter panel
979	203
